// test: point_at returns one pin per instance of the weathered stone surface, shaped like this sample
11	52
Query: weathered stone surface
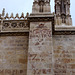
40	48
47	50
41	6
13	55
62	11
64	51
15	26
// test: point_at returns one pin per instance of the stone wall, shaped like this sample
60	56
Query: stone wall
13	55
40	49
64	54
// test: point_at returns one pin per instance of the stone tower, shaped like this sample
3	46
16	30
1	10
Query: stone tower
62	12
40	6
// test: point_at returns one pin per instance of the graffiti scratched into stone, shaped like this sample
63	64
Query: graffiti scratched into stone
40	36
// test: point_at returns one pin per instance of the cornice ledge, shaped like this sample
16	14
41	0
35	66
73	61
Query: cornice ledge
64	28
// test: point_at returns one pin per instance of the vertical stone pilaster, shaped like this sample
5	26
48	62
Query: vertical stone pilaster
40	49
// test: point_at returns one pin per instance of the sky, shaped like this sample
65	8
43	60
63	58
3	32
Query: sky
19	6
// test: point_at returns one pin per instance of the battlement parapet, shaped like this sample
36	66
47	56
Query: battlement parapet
13	24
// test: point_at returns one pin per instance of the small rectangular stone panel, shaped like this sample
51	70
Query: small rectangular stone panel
64	54
40	49
13	55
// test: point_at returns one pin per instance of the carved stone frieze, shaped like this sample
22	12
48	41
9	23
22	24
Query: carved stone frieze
11	25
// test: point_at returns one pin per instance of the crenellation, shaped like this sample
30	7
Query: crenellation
6	16
12	24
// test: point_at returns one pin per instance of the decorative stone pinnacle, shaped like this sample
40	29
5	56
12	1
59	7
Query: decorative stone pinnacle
6	15
3	12
17	15
22	15
11	15
27	14
0	16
